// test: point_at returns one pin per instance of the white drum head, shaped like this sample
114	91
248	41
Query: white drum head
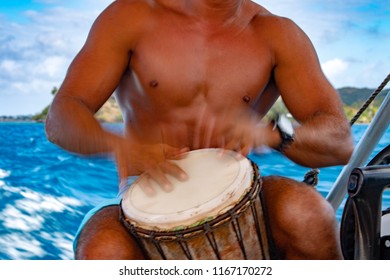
217	182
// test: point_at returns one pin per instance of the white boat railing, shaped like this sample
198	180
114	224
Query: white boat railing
363	150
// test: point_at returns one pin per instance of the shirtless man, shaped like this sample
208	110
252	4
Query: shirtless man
191	74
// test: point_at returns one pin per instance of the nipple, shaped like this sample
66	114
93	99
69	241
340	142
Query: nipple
246	99
153	83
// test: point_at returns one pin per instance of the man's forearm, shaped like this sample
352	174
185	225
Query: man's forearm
72	126
323	141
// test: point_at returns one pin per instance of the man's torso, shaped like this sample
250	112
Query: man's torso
182	66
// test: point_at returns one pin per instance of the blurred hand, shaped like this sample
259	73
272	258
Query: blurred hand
151	160
240	132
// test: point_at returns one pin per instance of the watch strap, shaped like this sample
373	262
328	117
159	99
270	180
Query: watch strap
286	138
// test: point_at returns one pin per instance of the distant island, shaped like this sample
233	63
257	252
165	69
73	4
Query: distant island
352	98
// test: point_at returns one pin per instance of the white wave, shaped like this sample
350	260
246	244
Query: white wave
4	173
21	246
29	214
63	241
36	202
63	158
31	195
14	219
70	201
10	189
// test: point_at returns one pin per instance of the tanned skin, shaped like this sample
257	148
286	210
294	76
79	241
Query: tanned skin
196	74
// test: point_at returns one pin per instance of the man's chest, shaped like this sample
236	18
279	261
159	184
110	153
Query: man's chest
185	65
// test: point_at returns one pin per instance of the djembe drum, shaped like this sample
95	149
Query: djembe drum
216	214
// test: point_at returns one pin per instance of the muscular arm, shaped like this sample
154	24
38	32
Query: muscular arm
323	137
90	81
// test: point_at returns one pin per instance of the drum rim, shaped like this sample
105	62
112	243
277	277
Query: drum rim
192	231
193	216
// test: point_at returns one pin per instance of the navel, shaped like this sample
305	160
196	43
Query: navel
246	99
153	83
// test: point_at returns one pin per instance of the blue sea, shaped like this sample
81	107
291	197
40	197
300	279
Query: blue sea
45	191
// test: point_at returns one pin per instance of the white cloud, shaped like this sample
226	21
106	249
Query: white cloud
34	56
334	67
52	67
336	70
10	67
350	36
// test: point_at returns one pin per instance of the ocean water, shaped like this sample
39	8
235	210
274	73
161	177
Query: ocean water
45	191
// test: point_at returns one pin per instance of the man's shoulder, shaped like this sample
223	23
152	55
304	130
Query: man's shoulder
133	3
127	15
129	6
275	28
264	18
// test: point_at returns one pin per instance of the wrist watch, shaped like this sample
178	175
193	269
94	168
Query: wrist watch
286	131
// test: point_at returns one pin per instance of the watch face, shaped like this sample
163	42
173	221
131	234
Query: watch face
285	124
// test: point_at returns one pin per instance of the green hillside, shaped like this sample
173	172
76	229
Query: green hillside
357	96
354	98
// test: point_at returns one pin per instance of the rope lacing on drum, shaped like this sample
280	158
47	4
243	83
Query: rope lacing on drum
184	246
257	225
157	245
211	238
311	177
237	231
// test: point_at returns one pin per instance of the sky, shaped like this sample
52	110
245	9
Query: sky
39	39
